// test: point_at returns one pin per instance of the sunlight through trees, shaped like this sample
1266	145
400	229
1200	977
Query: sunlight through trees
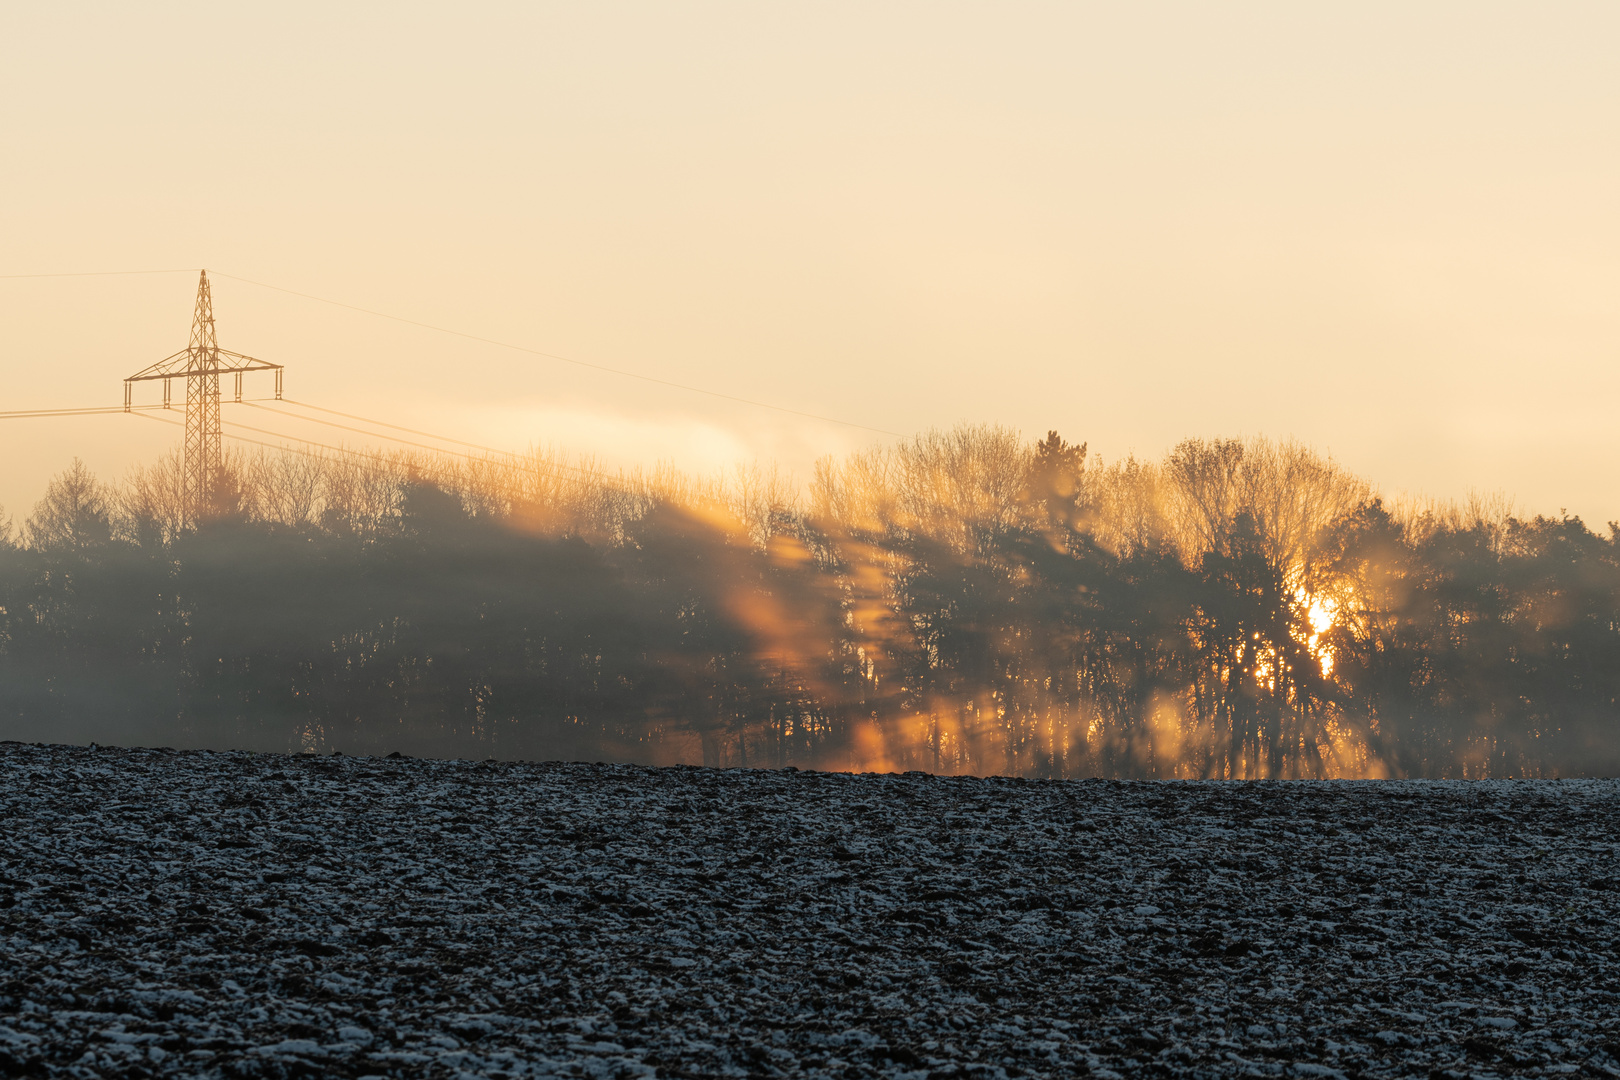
962	602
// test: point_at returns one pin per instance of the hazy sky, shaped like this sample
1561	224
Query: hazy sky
1391	230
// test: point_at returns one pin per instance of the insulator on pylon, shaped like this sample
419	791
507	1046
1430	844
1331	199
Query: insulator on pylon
201	364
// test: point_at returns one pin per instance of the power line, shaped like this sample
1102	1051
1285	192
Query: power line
504	455
92	410
487	341
272	446
565	359
100	273
345	427
340	450
147	410
405	442
378	423
488	450
95	410
381	423
586	474
28	414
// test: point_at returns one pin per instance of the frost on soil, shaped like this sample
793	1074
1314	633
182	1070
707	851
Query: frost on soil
182	914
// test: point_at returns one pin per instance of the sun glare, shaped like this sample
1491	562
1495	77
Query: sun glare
1319	612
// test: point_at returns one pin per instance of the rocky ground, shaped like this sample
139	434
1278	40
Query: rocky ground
199	914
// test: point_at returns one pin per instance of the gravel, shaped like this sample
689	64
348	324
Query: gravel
244	915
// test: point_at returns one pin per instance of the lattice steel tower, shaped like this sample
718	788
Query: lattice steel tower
201	364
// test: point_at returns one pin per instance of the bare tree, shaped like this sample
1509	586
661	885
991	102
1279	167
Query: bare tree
75	514
288	488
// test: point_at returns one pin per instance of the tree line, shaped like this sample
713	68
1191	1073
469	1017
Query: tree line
961	602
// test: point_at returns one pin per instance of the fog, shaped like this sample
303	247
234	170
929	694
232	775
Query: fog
964	602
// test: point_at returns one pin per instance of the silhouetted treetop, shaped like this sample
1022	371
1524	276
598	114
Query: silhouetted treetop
960	601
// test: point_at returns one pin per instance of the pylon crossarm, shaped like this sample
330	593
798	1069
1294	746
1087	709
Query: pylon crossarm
168	367
180	364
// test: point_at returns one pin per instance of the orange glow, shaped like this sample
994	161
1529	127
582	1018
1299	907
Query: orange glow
1320	613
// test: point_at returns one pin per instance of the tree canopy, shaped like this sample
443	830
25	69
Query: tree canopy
962	602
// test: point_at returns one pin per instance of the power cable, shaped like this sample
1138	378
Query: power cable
505	456
342	451
100	273
93	410
392	438
396	427
406	442
488	450
283	447
484	340
381	423
146	410
584	474
564	359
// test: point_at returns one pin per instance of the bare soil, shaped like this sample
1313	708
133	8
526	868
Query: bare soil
248	915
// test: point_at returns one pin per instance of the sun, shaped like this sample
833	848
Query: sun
1320	612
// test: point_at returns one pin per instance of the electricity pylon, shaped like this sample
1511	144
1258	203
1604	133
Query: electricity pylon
201	364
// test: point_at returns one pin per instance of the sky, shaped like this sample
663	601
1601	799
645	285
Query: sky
1389	230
